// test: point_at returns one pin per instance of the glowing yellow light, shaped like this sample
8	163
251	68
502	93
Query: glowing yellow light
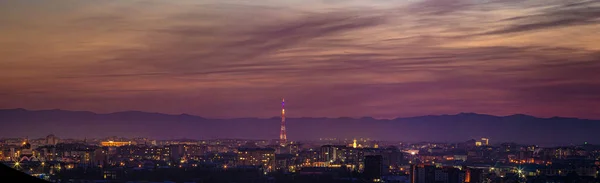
477	143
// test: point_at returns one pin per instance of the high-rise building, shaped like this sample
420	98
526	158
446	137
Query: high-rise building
392	159
51	140
100	157
329	153
473	175
373	167
285	162
176	152
422	174
431	174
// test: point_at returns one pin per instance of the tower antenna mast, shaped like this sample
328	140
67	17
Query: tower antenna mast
282	133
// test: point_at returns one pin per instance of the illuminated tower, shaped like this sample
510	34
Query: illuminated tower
282	134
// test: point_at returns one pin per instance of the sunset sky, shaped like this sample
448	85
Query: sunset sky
327	58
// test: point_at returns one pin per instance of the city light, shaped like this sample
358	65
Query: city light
347	154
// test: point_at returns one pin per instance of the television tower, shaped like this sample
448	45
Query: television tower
282	134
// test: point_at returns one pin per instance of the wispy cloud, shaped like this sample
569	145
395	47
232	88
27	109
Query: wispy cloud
554	17
352	58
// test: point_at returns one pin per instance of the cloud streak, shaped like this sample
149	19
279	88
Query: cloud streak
348	58
563	16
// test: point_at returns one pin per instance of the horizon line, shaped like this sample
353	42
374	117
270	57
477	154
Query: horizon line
278	117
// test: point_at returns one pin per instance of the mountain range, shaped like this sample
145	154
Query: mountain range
460	127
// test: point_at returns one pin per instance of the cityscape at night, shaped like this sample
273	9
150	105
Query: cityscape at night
360	159
300	91
328	159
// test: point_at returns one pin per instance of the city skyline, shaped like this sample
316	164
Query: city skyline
433	128
383	59
476	160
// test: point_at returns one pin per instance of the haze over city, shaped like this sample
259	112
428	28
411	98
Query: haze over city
382	59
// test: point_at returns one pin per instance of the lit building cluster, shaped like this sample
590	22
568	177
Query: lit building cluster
467	161
114	144
260	157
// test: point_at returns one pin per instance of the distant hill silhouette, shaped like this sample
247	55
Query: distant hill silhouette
443	128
